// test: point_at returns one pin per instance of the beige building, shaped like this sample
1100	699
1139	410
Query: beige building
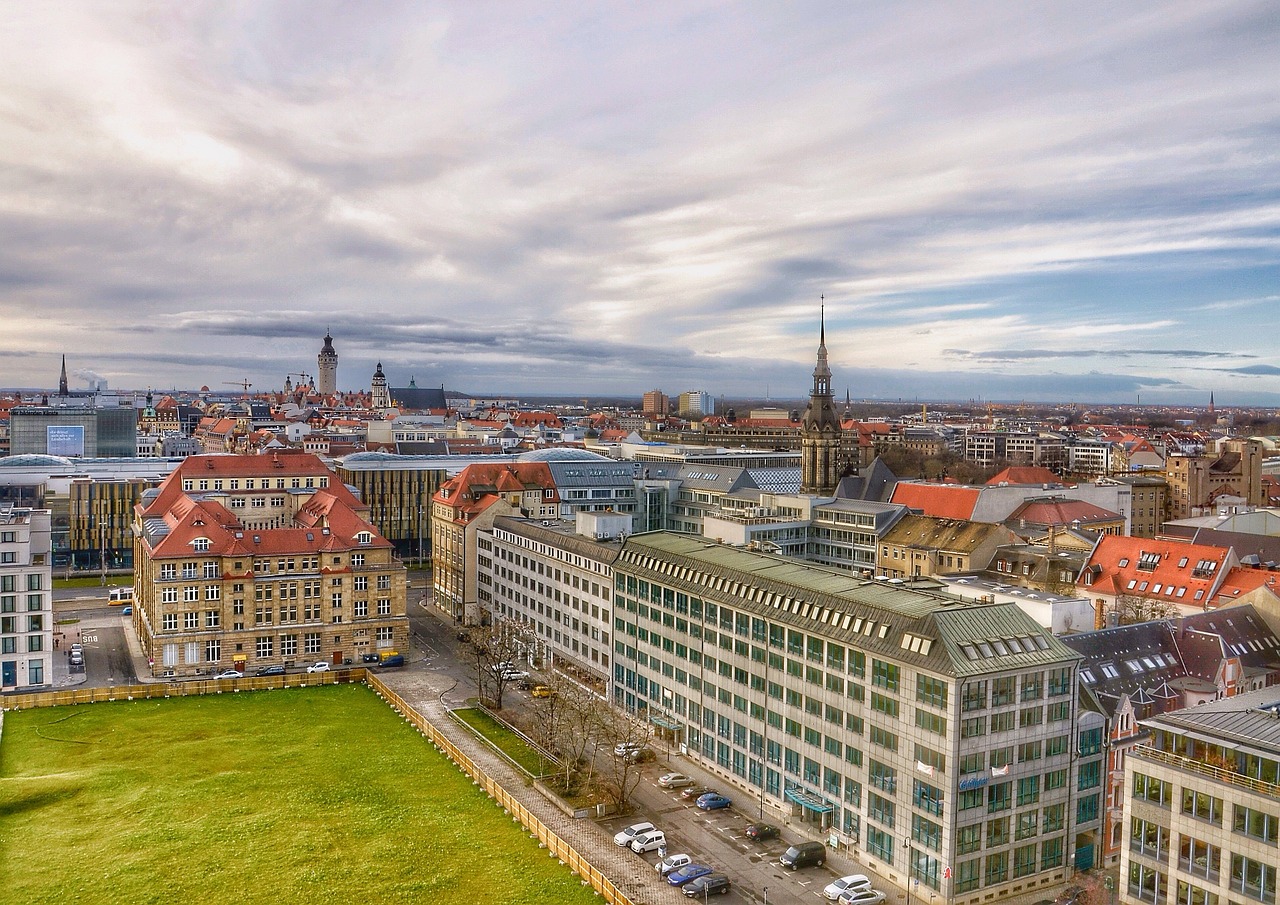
1202	805
251	561
920	546
1195	482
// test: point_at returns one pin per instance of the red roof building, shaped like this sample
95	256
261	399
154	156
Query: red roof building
937	500
1180	577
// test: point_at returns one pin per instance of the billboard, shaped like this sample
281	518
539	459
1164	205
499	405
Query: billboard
64	440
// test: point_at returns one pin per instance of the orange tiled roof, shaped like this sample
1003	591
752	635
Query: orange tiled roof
1168	570
938	500
1024	474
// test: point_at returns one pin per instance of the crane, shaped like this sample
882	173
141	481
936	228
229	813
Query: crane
239	383
305	377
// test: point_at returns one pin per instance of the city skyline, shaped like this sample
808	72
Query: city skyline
1043	202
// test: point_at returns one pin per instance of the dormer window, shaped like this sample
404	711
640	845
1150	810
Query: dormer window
364	537
200	544
1148	562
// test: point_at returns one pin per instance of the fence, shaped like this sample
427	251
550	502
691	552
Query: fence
178	689
556	846
546	837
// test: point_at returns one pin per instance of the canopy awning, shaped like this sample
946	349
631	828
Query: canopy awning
811	800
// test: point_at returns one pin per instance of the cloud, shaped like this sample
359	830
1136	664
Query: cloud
558	198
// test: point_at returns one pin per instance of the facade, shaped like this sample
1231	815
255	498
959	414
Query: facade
696	404
656	402
903	723
557	579
26	600
918	545
467	505
81	430
820	431
1202	807
1150	504
327	368
986	448
379	395
1195	482
398	491
252	561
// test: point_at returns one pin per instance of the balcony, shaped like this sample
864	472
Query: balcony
1219	774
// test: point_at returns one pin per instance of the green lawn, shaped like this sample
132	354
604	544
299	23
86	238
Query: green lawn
507	741
298	796
92	581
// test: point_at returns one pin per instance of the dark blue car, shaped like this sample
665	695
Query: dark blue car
714	801
687	873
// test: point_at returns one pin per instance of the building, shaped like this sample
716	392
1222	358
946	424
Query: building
253	561
327	364
1195	482
398	491
656	402
26	600
89	428
419	399
918	545
935	738
557	579
696	404
820	430
379	395
467	505
1202	805
1150	500
1135	578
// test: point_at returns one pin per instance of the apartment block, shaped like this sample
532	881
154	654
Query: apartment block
252	561
1202	810
26	602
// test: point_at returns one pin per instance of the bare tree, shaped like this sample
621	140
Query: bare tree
497	653
567	718
623	736
1130	610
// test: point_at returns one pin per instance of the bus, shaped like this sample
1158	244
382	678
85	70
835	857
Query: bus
121	596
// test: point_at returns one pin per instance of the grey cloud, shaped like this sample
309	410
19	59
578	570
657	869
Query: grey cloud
1032	354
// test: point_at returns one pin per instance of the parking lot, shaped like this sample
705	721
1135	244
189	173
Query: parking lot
717	839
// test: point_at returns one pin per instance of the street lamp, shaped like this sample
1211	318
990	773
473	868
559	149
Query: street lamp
906	855
766	895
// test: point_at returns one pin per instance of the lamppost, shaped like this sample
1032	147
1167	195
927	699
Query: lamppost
766	895
906	855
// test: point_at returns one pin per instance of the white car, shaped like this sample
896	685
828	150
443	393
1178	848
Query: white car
514	675
229	674
321	666
851	883
861	897
673	862
626	836
622	749
674	781
648	842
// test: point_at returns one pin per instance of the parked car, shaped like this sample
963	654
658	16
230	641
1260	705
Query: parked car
370	658
393	660
806	854
710	884
229	674
852	882
514	675
622	749
77	648
861	897
673	862
76	659
687	873
674	781
714	801
625	836
270	671
642	756
126	610
759	832
693	793
1070	895
543	691
319	666
648	842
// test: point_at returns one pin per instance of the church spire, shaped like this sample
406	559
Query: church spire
62	381
820	427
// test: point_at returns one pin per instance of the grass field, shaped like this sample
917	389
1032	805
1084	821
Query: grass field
510	743
300	796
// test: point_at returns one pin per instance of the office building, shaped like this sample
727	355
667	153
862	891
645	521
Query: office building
86	429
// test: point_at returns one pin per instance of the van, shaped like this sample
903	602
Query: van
806	854
118	596
391	658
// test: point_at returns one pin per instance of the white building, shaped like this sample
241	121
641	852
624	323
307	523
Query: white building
26	604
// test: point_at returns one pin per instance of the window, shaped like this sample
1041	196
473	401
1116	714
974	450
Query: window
931	691
969	839
926	832
1199	858
1152	789
1148	838
880	845
1028	790
311	643
1024	860
973	696
1055	816
212	651
880	810
1028	822
926	797
884	675
1202	805
1002	691
999	797
973	727
1194	895
1253	878
170	623
1090	777
1147	883
997	869
967	875
882	704
1051	853
1257	824
264	646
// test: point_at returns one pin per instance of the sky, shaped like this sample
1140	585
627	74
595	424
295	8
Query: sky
997	201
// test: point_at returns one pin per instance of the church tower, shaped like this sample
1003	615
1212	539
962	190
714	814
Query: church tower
327	360
379	396
63	390
820	429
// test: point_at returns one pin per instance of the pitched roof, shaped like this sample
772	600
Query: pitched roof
1024	474
1174	572
1245	634
937	500
1127	659
950	535
1062	511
